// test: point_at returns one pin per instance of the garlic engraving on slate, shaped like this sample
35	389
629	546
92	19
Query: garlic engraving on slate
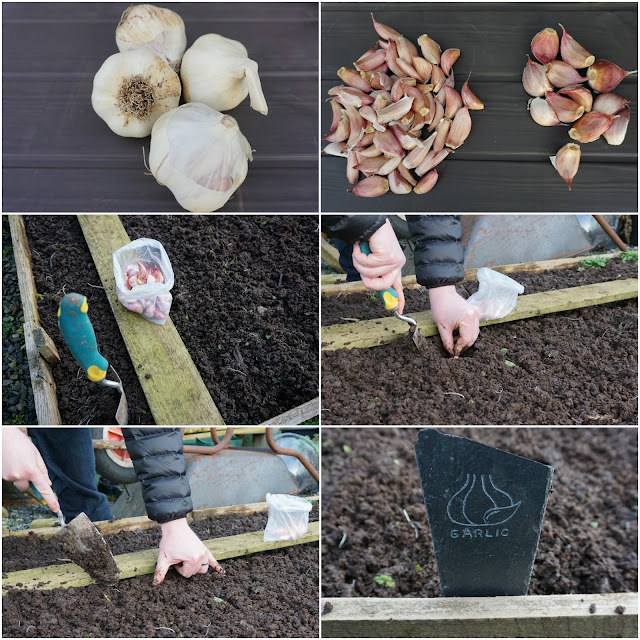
200	154
218	72
132	90
158	29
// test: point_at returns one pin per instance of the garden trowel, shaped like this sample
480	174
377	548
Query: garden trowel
389	298
80	337
84	544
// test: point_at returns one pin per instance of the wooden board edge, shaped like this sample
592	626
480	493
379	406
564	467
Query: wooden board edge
295	416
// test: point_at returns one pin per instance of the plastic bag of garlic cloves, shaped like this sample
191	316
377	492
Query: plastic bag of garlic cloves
144	279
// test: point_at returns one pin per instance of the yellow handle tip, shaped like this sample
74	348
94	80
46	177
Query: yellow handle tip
390	302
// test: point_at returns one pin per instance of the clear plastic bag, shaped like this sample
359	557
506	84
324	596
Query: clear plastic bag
497	296
288	517
144	279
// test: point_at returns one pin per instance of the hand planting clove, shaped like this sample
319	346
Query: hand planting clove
386	102
572	102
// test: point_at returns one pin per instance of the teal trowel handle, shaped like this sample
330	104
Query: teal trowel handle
80	337
389	296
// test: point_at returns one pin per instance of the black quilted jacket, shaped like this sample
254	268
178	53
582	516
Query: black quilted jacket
157	457
438	251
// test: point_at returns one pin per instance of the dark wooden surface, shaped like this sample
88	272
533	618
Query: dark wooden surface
504	164
58	155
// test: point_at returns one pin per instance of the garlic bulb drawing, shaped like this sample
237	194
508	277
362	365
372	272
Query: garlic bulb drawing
158	29
200	155
132	90
217	71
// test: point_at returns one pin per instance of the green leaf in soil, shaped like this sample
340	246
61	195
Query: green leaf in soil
510	364
346	448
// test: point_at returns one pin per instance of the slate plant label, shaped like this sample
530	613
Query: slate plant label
485	509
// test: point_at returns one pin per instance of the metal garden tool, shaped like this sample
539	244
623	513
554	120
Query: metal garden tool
84	544
389	298
80	337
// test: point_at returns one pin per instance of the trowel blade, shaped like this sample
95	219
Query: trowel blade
84	544
418	340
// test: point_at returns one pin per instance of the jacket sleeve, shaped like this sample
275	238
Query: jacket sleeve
438	250
157	457
351	228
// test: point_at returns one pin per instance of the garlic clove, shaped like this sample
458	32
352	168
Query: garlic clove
590	127
356	127
469	99
567	161
370	166
132	90
407	141
371	60
369	113
368	152
574	53
406	49
432	159
407	69
395	110
544	45
437	78
423	67
450	81
566	109
398	184
441	97
201	155
442	131
430	49
387	142
534	79
390	165
392	56
460	129
341	132
337	149
382	99
397	91
218	72
384	31
366	141
427	183
453	102
439	114
616	133
381	80
448	58
160	30
406	174
352	173
337	111
560	74
542	113
578	94
604	76
350	97
371	187
353	79
419	105
610	103
417	155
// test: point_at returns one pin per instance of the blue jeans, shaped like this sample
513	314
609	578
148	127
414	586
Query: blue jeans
346	259
68	454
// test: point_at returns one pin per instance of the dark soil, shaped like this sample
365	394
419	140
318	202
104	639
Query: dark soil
362	306
245	304
269	594
589	537
575	367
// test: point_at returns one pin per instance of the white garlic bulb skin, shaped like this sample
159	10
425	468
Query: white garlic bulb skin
217	71
200	154
158	29
132	90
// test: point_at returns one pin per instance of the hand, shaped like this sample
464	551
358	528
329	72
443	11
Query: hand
382	268
22	463
179	544
451	311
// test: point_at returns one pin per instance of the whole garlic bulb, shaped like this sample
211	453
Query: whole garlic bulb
217	71
132	90
158	29
200	155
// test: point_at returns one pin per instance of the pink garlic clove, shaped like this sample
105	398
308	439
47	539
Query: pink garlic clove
387	142
368	152
460	129
534	79
560	74
542	113
381	80
590	127
430	49
453	102
469	99
336	149
423	67
566	109
442	131
447	59
567	161
336	111
544	45
609	103
371	60
384	31
371	187
427	183
150	311
407	69
616	133
392	56
578	94
341	132
353	174
437	78
439	114
397	184
157	274
406	174
432	159
371	166
604	76
354	79
574	53
142	271
406	49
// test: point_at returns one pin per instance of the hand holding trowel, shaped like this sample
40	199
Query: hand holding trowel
82	541
80	337
389	298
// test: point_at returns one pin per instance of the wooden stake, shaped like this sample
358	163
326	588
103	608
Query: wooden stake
330	255
372	333
46	346
44	386
141	563
170	380
331	288
601	615
295	416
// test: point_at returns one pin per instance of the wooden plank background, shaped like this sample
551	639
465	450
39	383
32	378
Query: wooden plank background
58	155
504	164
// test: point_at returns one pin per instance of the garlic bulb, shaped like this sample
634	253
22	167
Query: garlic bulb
217	71
132	90
160	30
200	155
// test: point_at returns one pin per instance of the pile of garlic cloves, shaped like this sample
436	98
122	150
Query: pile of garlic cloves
151	307
559	97
393	95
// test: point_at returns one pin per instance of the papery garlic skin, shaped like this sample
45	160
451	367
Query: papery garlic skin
217	71
132	90
158	29
200	155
